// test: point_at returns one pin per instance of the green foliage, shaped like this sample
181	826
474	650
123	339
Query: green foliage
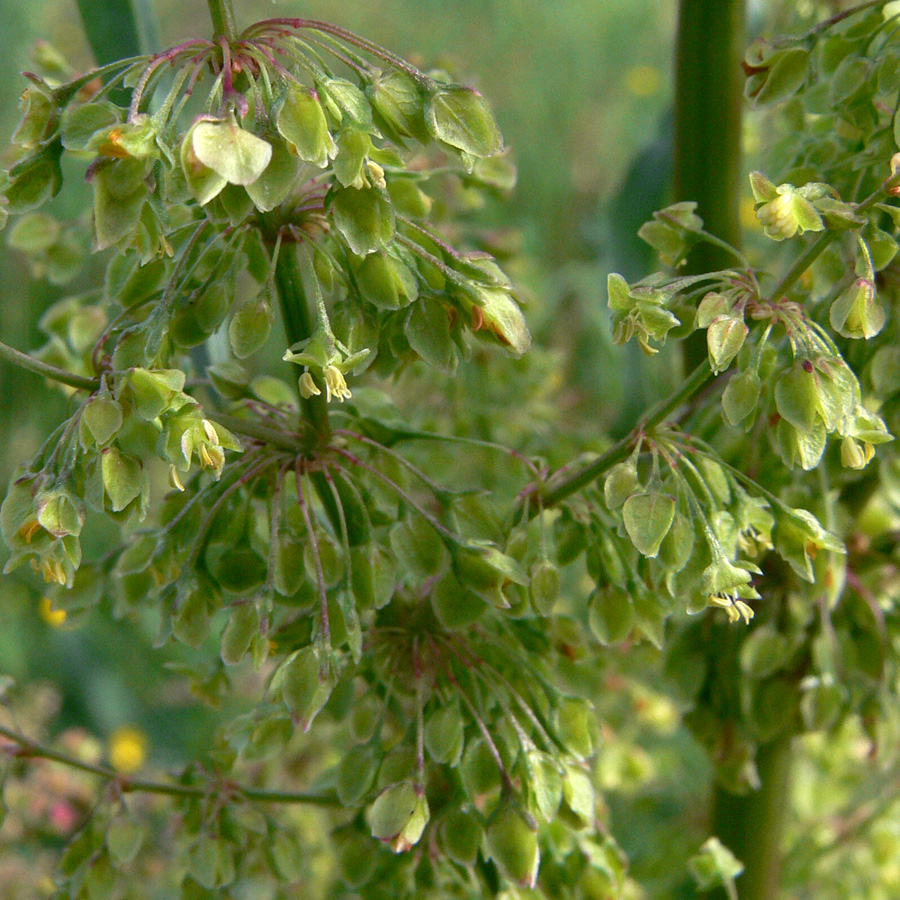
425	608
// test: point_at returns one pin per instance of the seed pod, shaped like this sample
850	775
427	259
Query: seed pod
460	117
243	624
275	183
399	816
250	327
301	120
621	482
444	735
512	843
306	684
741	397
355	775
100	420
648	517
460	836
610	614
231	152
365	218
576	726
398	107
544	586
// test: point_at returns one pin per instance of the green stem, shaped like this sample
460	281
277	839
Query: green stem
283	440
751	825
570	484
299	325
222	15
24	361
29	749
707	165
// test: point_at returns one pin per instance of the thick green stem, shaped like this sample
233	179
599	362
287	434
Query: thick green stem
751	825
299	324
222	15
708	85
709	98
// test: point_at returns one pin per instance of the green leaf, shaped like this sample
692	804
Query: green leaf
648	518
124	838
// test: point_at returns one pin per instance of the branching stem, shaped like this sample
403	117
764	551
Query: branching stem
24	361
26	748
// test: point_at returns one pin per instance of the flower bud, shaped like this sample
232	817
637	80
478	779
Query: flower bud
857	312
787	214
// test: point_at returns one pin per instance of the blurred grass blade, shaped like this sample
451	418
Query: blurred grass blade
118	28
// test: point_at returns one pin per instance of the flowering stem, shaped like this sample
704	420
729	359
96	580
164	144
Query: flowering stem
818	247
574	482
299	326
222	15
26	748
24	361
